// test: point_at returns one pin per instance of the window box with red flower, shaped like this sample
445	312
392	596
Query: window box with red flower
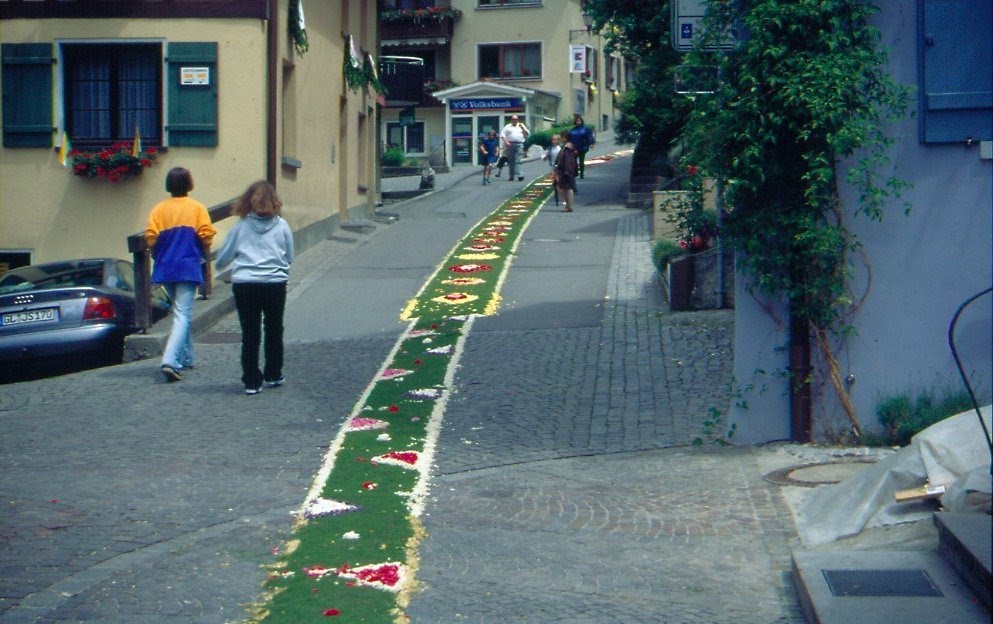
115	163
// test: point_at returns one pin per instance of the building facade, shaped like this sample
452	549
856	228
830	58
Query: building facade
485	60
233	90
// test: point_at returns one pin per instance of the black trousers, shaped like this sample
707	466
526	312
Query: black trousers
581	164
260	306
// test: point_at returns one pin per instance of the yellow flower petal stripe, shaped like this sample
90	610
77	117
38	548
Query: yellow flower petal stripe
501	231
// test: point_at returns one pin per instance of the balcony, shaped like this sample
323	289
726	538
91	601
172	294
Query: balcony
428	26
403	77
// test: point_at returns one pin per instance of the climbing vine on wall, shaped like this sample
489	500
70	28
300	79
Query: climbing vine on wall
803	88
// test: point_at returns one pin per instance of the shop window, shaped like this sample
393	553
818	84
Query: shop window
510	61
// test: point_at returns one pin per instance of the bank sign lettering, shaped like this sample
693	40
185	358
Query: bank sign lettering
473	104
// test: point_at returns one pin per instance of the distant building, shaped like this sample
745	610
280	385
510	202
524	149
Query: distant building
217	87
479	62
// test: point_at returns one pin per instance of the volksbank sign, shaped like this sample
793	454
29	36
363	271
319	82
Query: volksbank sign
473	104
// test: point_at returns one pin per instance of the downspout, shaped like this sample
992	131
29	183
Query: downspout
799	377
272	92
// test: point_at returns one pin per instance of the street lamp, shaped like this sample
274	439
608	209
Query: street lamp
587	22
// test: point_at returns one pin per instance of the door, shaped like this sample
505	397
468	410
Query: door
462	141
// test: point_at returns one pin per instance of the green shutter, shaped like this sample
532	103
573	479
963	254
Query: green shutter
192	114
27	94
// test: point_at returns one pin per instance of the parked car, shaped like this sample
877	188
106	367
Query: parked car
76	312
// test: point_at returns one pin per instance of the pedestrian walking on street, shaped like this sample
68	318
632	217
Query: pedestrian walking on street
583	139
565	172
259	250
179	234
514	134
488	148
551	154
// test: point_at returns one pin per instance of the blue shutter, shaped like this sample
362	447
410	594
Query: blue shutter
192	109
27	94
956	90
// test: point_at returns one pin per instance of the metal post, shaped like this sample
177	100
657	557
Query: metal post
142	280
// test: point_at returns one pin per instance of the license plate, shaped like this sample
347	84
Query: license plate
41	315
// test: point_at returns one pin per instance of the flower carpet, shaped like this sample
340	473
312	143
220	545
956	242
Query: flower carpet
353	555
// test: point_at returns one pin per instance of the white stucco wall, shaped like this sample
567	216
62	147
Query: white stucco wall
923	266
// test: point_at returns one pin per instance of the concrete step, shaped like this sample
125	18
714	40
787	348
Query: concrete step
872	587
965	540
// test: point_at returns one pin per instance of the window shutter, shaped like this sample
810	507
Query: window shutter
27	94
192	108
956	83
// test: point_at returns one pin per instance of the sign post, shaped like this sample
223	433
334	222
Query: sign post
687	20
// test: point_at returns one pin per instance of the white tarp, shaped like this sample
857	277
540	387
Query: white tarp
945	453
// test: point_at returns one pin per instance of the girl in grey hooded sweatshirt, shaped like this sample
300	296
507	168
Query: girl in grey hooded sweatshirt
259	250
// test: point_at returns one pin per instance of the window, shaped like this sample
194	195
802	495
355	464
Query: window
411	138
956	89
592	65
504	3
614	73
111	90
510	61
629	73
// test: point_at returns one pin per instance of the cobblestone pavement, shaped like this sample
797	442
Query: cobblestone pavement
585	502
564	489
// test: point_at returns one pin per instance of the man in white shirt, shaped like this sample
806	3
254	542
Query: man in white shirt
513	135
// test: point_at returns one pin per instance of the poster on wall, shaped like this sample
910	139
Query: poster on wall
577	59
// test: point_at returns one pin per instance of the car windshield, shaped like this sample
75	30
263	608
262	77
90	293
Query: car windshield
51	276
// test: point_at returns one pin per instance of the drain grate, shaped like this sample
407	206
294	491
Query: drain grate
881	583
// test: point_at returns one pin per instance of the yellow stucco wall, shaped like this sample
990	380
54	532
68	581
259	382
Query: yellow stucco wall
53	214
550	24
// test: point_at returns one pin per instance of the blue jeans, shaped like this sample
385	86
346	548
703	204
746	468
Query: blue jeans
179	348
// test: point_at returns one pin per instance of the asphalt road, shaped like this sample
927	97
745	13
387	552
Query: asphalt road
564	490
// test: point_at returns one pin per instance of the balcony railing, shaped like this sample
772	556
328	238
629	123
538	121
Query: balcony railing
427	22
403	77
401	31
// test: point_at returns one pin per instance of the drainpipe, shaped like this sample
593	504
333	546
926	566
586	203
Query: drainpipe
272	92
799	380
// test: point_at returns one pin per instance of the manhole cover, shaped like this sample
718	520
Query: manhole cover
881	583
823	473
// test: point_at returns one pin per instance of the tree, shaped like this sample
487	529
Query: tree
651	112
